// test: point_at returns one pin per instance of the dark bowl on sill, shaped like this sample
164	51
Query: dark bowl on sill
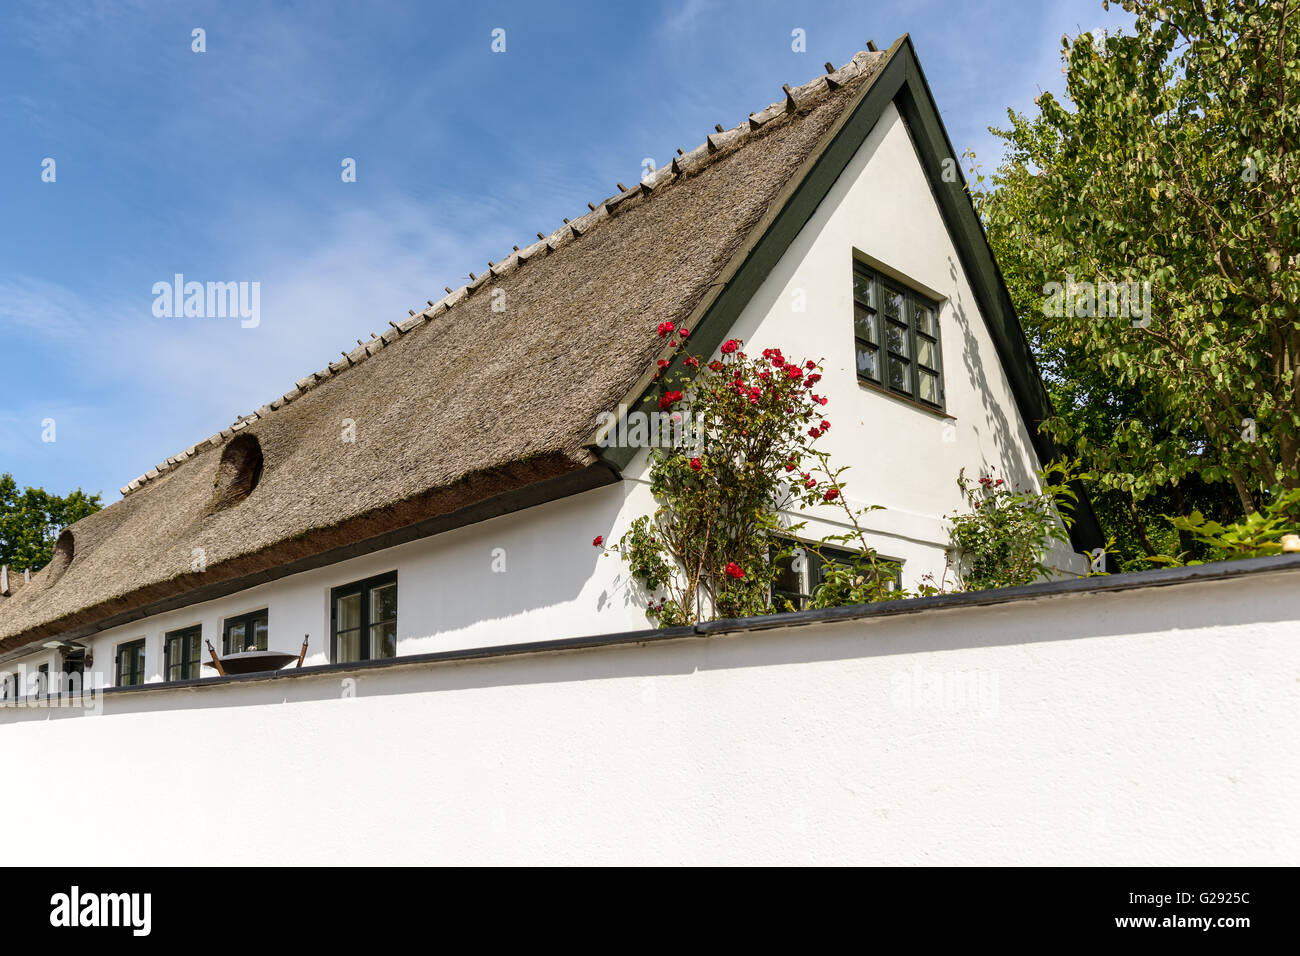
253	662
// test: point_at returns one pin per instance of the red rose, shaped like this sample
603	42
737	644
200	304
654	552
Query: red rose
814	433
692	362
662	363
730	346
684	333
669	398
673	343
789	466
824	425
695	464
832	494
715	366
734	570
598	540
665	329
810	483
810	365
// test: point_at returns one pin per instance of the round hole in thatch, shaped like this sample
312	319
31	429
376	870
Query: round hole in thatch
238	472
64	548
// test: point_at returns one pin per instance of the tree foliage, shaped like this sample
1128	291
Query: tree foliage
1171	163
31	519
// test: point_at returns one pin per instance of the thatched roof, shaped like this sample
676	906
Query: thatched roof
453	405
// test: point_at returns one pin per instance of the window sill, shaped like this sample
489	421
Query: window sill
871	386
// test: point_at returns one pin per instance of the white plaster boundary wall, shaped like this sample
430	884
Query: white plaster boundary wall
1149	726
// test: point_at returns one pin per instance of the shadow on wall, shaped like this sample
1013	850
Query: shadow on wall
500	569
1005	432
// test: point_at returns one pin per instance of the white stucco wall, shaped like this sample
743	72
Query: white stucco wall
453	591
1149	727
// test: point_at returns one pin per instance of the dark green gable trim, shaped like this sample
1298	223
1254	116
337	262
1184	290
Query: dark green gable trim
916	105
899	81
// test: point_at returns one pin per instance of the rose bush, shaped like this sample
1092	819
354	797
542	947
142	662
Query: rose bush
714	544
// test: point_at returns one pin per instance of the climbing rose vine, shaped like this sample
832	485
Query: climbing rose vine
713	545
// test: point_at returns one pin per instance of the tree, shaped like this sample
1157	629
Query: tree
30	521
1149	230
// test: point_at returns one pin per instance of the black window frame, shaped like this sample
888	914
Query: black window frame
247	620
362	587
137	645
815	563
191	657
869	316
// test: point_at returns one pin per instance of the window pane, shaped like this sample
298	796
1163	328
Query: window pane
923	319
864	324
900	375
787	578
260	630
929	386
383	639
349	646
348	611
897	338
868	362
234	637
891	303
383	603
862	289
926	353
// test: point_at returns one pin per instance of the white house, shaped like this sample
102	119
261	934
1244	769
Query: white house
439	487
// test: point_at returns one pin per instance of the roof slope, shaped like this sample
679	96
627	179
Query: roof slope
453	405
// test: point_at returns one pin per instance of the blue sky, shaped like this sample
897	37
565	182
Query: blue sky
225	166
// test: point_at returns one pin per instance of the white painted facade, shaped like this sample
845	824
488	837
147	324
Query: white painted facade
1151	727
534	575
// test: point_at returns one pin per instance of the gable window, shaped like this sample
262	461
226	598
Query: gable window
247	632
130	663
799	575
181	653
896	331
363	619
